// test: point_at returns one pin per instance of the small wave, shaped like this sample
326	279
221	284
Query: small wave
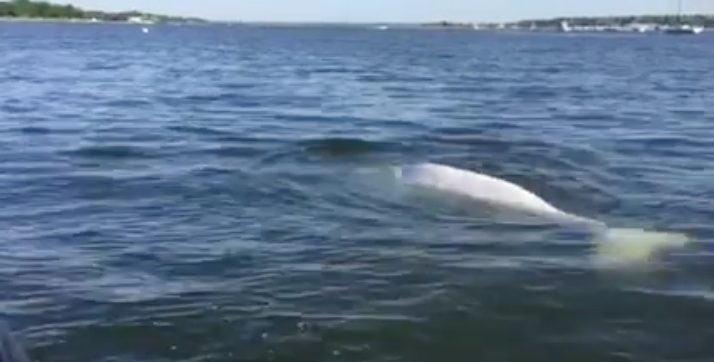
236	86
696	293
199	130
493	140
663	140
248	152
220	135
113	152
327	149
342	147
34	130
663	145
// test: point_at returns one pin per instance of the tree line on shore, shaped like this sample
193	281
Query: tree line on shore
47	10
604	21
698	19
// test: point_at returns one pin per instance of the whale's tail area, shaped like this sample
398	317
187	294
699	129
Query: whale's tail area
627	246
617	246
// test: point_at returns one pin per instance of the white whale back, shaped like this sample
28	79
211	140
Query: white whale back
611	244
478	186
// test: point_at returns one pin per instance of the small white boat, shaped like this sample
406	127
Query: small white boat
564	27
684	29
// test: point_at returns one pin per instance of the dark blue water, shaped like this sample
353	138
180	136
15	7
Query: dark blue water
196	194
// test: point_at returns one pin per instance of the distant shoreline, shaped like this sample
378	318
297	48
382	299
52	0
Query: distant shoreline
706	20
601	22
42	11
66	21
91	21
48	20
47	11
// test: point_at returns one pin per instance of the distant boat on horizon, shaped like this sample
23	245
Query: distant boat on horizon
564	27
684	29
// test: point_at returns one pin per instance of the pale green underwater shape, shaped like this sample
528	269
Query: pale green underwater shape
631	246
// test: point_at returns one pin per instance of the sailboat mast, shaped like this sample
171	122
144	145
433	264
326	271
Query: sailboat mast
682	27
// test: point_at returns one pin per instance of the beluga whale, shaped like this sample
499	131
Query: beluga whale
611	244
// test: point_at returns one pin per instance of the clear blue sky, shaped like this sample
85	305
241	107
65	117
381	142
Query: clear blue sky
394	10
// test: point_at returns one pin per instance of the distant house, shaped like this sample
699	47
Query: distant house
140	19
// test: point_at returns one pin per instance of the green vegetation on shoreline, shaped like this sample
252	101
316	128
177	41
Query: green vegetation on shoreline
705	20
26	9
673	19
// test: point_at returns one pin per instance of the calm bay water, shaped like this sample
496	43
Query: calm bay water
196	194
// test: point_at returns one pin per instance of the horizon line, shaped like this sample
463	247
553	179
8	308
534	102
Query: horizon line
371	22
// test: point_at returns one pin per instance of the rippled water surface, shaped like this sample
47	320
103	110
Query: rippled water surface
218	194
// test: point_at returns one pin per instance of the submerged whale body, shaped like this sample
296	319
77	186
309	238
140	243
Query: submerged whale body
623	244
